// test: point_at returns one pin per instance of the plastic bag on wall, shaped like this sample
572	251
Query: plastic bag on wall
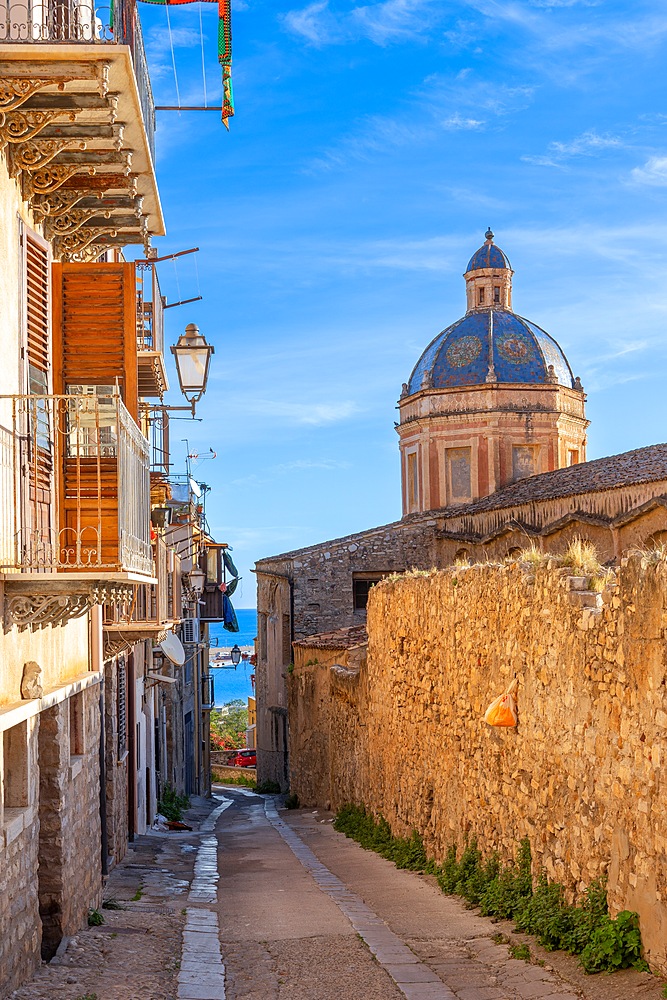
502	711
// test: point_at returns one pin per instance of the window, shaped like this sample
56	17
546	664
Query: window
496	293
361	587
524	461
458	472
573	457
413	482
91	422
480	295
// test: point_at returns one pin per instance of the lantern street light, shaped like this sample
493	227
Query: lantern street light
192	356
197	579
235	655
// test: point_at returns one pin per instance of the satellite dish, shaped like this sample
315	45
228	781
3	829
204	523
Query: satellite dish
172	647
195	487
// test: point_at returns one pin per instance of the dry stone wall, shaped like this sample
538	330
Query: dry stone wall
584	773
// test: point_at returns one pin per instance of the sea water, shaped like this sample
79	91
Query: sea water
232	684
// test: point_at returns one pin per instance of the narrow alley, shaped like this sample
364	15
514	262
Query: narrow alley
262	903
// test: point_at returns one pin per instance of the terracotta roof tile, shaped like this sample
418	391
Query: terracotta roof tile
342	638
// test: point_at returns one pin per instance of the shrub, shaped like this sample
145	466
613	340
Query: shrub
171	804
508	892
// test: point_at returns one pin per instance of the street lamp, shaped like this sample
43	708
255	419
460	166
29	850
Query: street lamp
235	655
197	579
192	356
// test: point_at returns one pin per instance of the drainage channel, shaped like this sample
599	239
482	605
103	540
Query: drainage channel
202	974
414	979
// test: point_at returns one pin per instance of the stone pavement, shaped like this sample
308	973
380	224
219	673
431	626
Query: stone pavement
312	916
259	903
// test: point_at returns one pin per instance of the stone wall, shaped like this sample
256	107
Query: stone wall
582	775
69	819
19	908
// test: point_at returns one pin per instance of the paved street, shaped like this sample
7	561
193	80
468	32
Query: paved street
260	903
306	914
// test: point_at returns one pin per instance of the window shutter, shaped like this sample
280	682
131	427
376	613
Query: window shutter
37	312
190	630
95	328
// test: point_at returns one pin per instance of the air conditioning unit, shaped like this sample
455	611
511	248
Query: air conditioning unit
190	630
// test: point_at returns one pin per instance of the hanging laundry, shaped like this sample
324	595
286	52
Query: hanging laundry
229	619
224	49
229	563
232	585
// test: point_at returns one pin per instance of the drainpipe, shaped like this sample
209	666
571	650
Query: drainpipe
97	665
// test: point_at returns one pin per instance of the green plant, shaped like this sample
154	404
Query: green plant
228	725
268	788
499	938
506	891
95	918
138	894
88	996
290	669
171	804
520	951
615	944
292	801
664	991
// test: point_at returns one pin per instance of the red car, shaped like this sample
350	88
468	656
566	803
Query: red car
244	758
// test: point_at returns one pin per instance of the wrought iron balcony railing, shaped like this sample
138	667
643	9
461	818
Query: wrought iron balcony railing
83	22
74	486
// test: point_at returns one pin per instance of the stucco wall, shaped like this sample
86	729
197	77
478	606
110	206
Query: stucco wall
582	775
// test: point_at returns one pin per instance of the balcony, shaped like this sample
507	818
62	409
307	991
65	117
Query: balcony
151	611
77	118
75	495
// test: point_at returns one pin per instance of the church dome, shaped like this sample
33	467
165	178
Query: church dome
488	255
520	351
491	343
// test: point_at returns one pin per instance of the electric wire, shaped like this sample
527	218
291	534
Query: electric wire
203	65
173	55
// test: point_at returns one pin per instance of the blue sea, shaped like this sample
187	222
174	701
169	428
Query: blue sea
232	684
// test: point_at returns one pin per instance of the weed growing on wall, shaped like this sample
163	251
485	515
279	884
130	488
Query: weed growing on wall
171	804
509	892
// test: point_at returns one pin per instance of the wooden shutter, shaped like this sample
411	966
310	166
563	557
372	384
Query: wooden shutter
37	274
95	328
37	304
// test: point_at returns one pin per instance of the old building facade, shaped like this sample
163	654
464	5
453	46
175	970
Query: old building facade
91	580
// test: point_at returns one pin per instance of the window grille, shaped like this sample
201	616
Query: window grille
190	630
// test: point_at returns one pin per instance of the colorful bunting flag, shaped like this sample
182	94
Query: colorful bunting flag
224	49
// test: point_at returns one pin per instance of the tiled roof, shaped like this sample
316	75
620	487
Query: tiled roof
630	468
643	465
342	638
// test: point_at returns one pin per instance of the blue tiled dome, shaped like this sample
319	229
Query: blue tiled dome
522	352
488	255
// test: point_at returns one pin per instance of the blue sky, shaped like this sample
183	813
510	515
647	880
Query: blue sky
372	146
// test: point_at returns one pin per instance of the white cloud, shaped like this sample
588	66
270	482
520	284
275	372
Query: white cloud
457	121
311	414
381	23
653	173
589	143
315	23
393	20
